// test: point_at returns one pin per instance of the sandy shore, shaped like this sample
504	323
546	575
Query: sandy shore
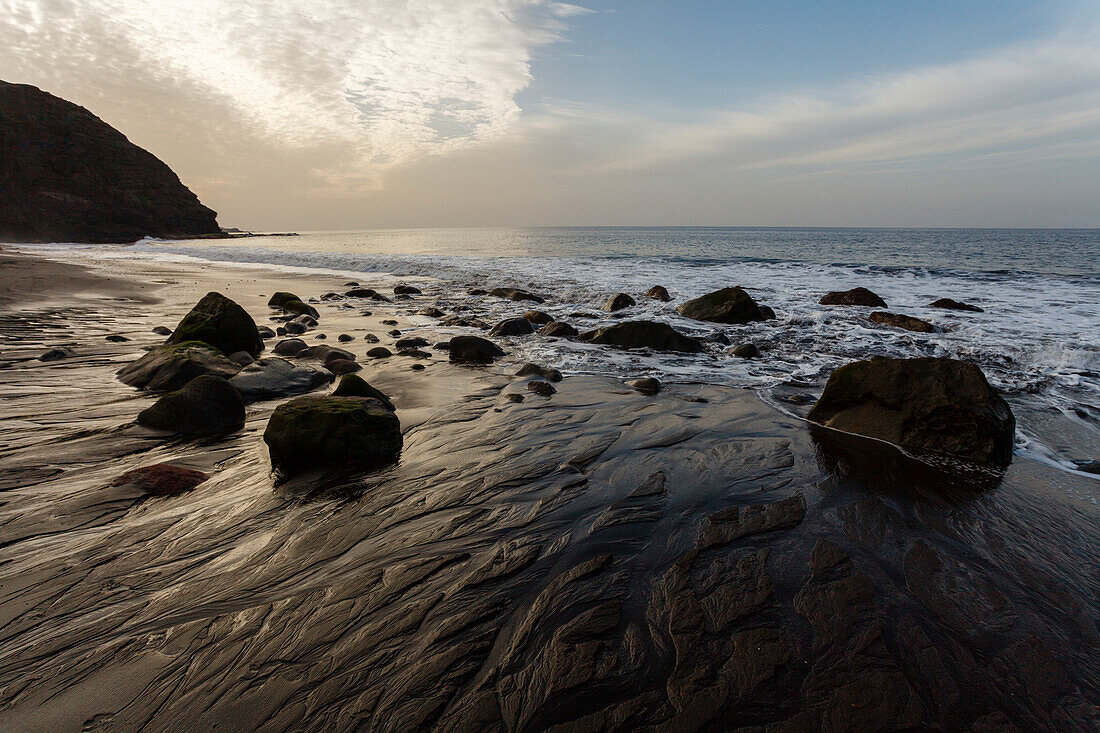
594	560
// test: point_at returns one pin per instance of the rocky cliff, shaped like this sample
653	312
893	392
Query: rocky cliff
67	176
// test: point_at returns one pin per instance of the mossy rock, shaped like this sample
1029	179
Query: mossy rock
171	366
330	432
279	299
218	321
204	406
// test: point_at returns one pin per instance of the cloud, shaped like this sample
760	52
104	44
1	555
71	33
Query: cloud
1037	100
377	83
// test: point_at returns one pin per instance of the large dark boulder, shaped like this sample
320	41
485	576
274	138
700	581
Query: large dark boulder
331	433
474	350
728	305
926	405
900	320
643	335
272	378
218	321
515	294
352	385
855	296
512	327
171	366
68	176
204	406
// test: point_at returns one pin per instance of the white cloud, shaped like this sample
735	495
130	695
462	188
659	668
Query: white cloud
384	81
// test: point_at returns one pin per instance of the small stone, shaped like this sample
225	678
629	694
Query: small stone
540	387
61	352
658	292
618	302
162	331
241	357
746	351
344	338
514	397
646	385
117	339
163	479
379	352
417	367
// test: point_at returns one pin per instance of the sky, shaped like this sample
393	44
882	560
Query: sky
348	114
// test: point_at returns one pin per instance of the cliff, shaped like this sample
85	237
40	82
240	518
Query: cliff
68	176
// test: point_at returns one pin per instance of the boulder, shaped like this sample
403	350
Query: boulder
528	369
117	338
897	320
325	353
954	305
728	305
352	385
924	405
163	479
413	342
540	387
512	327
474	350
342	366
405	290
855	296
56	354
290	347
272	378
477	291
538	318
558	328
332	433
417	367
241	357
265	332
206	405
618	302
746	351
643	335
298	308
345	337
658	292
332	297
279	299
171	366
361	293
162	331
379	352
295	329
431	311
67	176
515	294
218	321
646	385
767	313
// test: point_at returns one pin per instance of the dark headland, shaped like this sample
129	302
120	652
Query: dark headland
68	176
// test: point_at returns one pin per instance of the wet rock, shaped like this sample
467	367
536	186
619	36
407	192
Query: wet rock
767	312
529	369
332	297
206	405
512	327
855	296
281	331
370	338
718	338
389	322
658	292
540	387
325	353
925	405
163	479
646	385
442	346
403	289
728	305
345	337
897	320
465	322
560	329
379	352
515	294
117	338
746	351
279	299
474	349
342	366
538	318
514	397
954	305
56	354
273	378
351	284
171	366
265	332
618	302
431	311
162	331
415	354
290	347
395	333
414	342
477	291
352	385
331	433
417	367
727	525
306	320
218	321
643	335
241	357
380	298
361	293
295	329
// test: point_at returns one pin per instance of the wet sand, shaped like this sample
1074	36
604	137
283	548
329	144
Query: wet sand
595	560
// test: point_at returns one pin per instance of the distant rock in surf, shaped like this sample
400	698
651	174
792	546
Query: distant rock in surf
618	302
515	294
925	405
658	292
538	318
512	327
855	296
954	305
68	176
558	328
898	320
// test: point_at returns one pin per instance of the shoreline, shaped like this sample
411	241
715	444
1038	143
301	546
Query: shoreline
597	558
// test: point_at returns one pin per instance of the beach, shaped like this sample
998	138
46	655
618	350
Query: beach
593	558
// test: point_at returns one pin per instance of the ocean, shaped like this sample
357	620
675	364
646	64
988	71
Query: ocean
1037	341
